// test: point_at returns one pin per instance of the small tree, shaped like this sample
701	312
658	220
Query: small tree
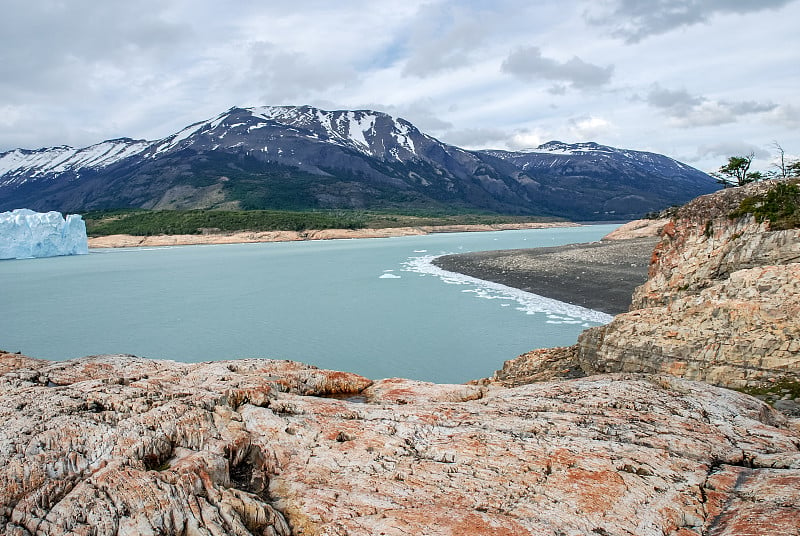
793	169
780	165
737	171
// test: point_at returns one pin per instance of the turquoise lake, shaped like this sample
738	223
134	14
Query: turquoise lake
371	306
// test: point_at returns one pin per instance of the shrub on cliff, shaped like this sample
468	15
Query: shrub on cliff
780	206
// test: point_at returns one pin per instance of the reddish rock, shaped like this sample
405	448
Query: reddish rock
721	305
122	445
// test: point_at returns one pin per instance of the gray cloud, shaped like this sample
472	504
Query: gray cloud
444	37
787	115
750	107
420	113
557	89
687	110
284	75
635	20
67	47
678	102
529	64
724	150
477	137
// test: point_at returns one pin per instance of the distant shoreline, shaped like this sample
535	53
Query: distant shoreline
597	275
245	237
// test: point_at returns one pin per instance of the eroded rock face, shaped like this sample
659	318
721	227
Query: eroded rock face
542	365
721	305
122	445
740	332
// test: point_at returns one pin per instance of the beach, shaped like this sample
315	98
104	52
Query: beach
241	237
597	275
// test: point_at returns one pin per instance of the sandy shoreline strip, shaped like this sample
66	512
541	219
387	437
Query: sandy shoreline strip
243	237
597	275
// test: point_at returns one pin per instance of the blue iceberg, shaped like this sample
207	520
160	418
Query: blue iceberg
25	234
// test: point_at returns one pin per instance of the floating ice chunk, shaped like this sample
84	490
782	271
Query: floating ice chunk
25	234
389	275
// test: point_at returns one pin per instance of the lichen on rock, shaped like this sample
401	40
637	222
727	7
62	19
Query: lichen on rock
122	445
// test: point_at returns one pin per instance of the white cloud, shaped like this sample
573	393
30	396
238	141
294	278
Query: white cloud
526	140
491	138
10	115
589	128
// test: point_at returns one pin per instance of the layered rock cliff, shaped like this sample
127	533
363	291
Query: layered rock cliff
122	445
721	305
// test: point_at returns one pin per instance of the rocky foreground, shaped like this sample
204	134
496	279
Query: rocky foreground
122	445
632	444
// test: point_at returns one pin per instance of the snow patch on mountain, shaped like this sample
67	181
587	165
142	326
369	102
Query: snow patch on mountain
61	159
358	125
558	147
362	130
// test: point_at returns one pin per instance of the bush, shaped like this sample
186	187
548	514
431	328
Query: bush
780	206
147	223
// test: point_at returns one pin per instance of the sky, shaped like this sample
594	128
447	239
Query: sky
696	80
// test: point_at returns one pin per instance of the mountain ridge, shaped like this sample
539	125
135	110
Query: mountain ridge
302	157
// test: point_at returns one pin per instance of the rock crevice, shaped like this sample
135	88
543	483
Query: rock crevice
621	454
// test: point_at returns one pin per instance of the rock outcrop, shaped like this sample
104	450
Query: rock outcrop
721	305
122	445
638	229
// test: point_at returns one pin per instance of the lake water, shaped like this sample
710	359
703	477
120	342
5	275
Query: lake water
372	306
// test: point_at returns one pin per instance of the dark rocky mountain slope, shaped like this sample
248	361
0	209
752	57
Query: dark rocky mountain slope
305	158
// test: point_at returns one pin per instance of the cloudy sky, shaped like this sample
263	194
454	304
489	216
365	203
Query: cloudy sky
697	80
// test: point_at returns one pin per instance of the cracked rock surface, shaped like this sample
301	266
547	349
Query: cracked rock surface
123	445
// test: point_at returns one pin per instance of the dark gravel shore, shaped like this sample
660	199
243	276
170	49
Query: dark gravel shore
597	275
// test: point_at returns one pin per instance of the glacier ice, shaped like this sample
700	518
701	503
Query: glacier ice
25	234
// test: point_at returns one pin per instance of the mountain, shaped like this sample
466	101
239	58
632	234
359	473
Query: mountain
589	178
288	157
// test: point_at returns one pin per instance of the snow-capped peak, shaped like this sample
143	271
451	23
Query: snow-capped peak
366	131
55	160
375	134
559	147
